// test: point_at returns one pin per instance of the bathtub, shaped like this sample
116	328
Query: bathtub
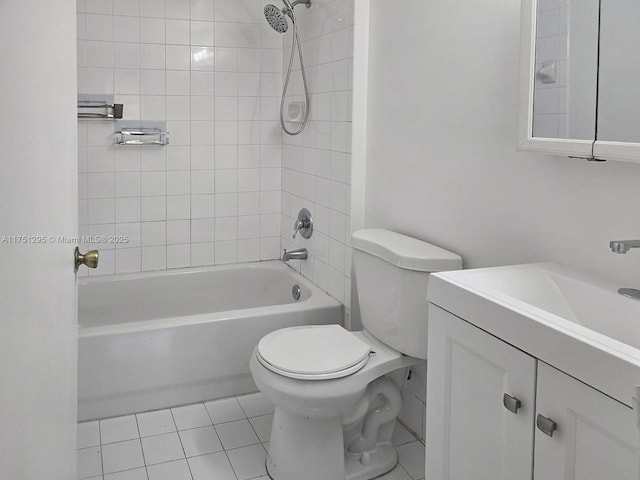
154	340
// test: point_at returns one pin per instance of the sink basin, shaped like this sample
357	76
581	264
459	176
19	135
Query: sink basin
562	292
566	318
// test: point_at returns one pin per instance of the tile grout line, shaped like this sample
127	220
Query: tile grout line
174	418
100	440
141	449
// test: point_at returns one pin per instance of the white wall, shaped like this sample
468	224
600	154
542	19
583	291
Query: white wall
441	161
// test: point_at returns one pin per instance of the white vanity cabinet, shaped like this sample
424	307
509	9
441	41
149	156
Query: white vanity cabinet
596	436
470	434
484	398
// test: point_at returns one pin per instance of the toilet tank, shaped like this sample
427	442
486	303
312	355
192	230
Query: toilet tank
392	275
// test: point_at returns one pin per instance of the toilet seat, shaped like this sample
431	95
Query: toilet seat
318	352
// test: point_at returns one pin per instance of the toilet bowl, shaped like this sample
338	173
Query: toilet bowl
335	405
310	416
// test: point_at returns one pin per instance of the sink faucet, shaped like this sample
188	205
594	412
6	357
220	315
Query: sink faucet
299	254
623	246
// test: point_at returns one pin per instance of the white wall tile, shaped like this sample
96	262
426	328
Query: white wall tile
202	33
152	56
126	7
202	254
127	184
226	204
226	59
178	107
128	210
202	206
203	108
154	258
178	207
99	6
202	182
152	82
202	10
203	83
249	250
178	157
202	230
127	82
177	9
152	107
226	252
98	80
128	260
98	54
169	60
249	37
178	32
152	30
226	11
202	157
178	57
178	256
152	8
126	29
126	55
99	27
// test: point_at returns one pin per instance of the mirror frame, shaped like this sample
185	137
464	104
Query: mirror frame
526	140
587	149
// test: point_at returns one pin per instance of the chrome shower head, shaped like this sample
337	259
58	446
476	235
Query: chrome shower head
276	18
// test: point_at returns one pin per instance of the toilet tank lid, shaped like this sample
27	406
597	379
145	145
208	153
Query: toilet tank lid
405	252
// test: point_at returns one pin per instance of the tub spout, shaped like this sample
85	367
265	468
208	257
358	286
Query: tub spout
299	254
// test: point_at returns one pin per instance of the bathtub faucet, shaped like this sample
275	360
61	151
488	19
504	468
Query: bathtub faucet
299	254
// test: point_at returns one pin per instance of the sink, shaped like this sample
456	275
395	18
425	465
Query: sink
548	288
564	317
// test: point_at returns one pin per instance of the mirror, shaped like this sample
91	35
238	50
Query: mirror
566	70
619	84
580	78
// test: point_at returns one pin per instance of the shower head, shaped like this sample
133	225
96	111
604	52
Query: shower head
277	17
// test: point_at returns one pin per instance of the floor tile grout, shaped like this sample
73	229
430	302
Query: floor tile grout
177	431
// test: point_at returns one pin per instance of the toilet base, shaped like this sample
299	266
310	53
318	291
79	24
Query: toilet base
371	464
382	461
304	447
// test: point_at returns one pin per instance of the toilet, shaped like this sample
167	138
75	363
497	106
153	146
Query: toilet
335	400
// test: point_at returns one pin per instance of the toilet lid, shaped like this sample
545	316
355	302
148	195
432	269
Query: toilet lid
319	352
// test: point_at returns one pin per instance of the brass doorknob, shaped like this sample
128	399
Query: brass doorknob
90	259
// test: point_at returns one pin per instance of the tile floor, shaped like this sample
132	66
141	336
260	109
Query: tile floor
223	439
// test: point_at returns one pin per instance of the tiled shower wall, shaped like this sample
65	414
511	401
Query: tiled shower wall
213	71
316	165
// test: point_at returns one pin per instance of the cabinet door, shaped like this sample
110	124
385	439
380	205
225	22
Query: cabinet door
470	433
596	436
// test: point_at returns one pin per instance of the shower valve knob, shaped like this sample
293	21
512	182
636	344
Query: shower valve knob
304	224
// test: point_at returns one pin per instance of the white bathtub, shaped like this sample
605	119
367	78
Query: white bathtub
154	340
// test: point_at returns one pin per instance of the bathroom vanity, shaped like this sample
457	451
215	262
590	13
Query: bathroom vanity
531	375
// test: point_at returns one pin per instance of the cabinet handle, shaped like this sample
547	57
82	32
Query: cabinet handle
511	403
546	425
